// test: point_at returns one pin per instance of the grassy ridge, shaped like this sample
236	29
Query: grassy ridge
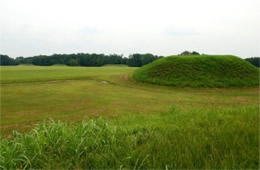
176	139
199	71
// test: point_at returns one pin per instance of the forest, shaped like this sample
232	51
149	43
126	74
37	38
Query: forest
254	60
81	59
86	59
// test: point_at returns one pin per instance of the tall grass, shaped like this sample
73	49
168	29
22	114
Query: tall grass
176	139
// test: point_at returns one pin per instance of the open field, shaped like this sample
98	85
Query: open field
157	127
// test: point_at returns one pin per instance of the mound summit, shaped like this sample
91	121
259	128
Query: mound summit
199	71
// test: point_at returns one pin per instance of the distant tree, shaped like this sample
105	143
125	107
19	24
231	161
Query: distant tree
42	60
189	53
22	60
147	58
73	62
135	60
186	53
254	60
195	53
138	60
6	60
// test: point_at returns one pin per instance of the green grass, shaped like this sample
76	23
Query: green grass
176	139
142	125
22	74
199	71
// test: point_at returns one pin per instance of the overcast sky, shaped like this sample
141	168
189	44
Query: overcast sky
161	27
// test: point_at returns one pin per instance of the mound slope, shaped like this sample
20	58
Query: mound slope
199	71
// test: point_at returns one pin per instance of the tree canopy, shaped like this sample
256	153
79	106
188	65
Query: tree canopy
254	60
81	59
6	60
189	53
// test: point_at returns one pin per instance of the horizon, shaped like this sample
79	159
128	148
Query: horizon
124	56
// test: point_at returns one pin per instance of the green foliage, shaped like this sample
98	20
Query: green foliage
73	62
195	53
5	60
138	60
199	71
81	59
254	60
189	53
179	140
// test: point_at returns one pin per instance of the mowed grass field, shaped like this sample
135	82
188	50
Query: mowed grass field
146	126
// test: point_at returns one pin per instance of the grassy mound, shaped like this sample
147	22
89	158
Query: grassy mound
199	71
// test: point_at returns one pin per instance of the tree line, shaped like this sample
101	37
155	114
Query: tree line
81	59
85	59
254	60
